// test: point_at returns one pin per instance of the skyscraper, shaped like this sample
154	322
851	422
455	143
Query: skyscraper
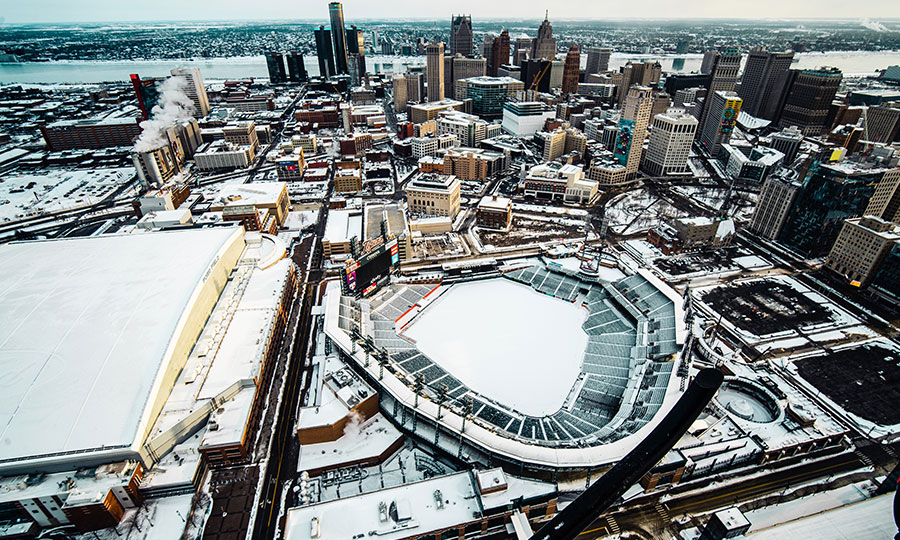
633	128
486	45
195	89
760	72
336	12
356	49
499	53
324	52
399	90
808	98
296	67
275	64
571	70
597	60
721	117
708	58
670	143
463	68
415	87
434	70
787	141
544	45
521	49
829	195
722	76
773	206
461	34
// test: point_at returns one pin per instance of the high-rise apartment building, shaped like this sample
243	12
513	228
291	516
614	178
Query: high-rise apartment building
275	65
339	35
324	52
776	198
808	99
571	71
434	70
461	35
633	128
760	73
499	53
670	143
544	45
722	77
597	59
721	117
195	89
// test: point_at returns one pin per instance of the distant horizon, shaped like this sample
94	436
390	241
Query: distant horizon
312	20
112	11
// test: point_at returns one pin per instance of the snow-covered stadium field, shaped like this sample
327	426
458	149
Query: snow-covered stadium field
505	341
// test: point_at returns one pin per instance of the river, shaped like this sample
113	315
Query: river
89	71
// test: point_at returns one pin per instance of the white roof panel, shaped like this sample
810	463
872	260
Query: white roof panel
84	328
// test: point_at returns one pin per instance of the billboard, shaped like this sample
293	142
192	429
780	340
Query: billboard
361	276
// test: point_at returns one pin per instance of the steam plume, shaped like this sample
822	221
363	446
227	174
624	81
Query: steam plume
173	105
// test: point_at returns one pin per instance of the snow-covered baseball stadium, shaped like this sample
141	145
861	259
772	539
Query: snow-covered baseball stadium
536	365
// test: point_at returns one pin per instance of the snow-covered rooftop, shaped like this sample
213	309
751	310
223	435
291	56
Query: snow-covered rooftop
86	329
342	225
352	516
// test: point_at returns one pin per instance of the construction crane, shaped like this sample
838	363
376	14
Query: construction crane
537	80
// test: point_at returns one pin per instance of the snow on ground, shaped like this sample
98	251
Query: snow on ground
549	209
52	190
495	335
299	220
867	519
638	210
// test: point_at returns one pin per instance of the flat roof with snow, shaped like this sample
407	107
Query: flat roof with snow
358	516
86	327
342	225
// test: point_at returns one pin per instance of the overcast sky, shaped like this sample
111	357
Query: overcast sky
16	11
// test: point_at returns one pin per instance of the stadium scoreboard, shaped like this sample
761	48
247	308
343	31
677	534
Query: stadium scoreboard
362	275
